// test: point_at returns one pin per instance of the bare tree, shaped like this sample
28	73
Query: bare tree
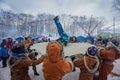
89	25
116	5
25	24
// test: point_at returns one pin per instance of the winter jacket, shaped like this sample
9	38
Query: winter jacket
108	56
19	66
4	52
9	45
54	67
85	74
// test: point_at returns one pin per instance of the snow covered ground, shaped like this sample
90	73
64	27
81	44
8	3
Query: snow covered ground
5	74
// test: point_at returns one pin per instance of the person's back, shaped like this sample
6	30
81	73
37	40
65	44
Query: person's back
54	67
19	63
108	56
19	68
3	43
55	71
5	52
87	64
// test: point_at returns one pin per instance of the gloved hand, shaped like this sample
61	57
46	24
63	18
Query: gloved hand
68	59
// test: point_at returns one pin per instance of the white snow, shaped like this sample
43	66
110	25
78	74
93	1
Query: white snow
70	49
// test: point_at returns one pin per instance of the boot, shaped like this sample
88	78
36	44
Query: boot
35	71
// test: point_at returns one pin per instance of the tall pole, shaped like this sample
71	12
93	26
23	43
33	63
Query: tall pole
114	26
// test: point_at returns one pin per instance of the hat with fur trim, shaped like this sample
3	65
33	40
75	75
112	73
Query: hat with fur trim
18	48
92	51
115	43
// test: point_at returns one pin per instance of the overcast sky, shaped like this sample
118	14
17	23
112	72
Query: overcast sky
96	8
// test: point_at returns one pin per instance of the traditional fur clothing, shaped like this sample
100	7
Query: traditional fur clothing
54	67
19	66
108	56
85	74
19	63
27	44
32	57
87	63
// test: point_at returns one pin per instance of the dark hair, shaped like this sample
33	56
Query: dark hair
75	38
3	43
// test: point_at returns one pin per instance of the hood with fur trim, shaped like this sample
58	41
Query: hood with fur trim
54	51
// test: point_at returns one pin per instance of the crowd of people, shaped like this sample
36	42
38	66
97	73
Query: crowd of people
55	65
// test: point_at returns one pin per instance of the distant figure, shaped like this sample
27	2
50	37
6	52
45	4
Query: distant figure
88	41
5	56
19	63
9	43
99	42
108	56
49	40
88	64
4	53
3	43
74	39
45	39
54	67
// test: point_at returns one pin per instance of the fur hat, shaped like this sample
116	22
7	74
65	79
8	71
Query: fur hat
54	51
114	43
18	48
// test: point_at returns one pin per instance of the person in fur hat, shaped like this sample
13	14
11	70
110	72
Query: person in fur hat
54	66
108	56
87	64
19	63
27	44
